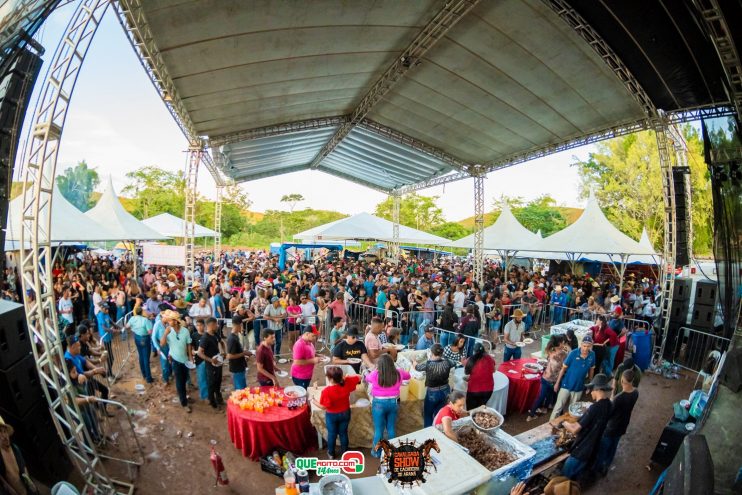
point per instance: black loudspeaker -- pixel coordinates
(703, 317)
(679, 311)
(15, 342)
(681, 289)
(705, 293)
(731, 374)
(692, 470)
(673, 343)
(682, 234)
(37, 438)
(669, 442)
(20, 387)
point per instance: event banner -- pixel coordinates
(158, 254)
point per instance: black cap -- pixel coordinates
(352, 331)
(237, 320)
(600, 382)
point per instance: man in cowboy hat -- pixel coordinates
(513, 334)
(178, 340)
(590, 427)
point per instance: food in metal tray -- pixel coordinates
(483, 451)
(564, 438)
(485, 420)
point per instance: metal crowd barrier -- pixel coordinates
(361, 314)
(693, 349)
(439, 332)
(119, 350)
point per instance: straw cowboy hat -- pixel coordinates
(562, 486)
(558, 288)
(518, 313)
(171, 315)
(596, 284)
(615, 299)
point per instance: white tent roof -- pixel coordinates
(123, 224)
(68, 223)
(365, 226)
(172, 226)
(592, 234)
(506, 234)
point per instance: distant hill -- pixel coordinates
(570, 214)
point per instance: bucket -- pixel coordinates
(642, 349)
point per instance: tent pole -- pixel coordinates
(396, 202)
(479, 228)
(624, 258)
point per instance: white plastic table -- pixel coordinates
(499, 399)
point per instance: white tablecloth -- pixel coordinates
(499, 399)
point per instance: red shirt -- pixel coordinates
(540, 294)
(606, 334)
(445, 412)
(335, 398)
(482, 375)
(264, 356)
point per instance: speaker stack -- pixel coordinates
(22, 401)
(682, 216)
(704, 305)
(678, 316)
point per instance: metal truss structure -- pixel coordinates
(479, 229)
(39, 168)
(277, 130)
(721, 37)
(396, 203)
(195, 153)
(451, 12)
(218, 224)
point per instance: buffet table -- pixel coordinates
(537, 438)
(258, 434)
(499, 399)
(524, 385)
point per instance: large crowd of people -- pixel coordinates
(243, 308)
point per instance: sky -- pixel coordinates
(117, 123)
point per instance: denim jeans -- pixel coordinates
(545, 396)
(203, 381)
(239, 380)
(337, 425)
(528, 321)
(446, 338)
(257, 326)
(181, 375)
(384, 413)
(167, 369)
(511, 354)
(608, 361)
(470, 341)
(434, 402)
(144, 348)
(495, 325)
(606, 453)
(573, 467)
(302, 382)
(279, 339)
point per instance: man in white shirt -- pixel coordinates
(308, 311)
(458, 300)
(200, 310)
(65, 307)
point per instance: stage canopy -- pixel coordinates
(367, 227)
(68, 223)
(172, 226)
(125, 226)
(391, 93)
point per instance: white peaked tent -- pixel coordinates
(172, 226)
(123, 224)
(507, 236)
(68, 223)
(365, 226)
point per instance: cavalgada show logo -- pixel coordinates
(352, 462)
(407, 463)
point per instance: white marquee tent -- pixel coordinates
(120, 222)
(68, 223)
(365, 226)
(172, 226)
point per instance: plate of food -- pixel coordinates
(486, 419)
(520, 344)
(190, 365)
(283, 361)
(533, 367)
(281, 373)
(354, 360)
(387, 345)
(324, 359)
(294, 392)
(528, 341)
(399, 347)
(542, 362)
(362, 403)
(578, 408)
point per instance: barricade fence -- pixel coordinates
(118, 350)
(446, 337)
(695, 350)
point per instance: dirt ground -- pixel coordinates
(177, 445)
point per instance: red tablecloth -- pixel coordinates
(259, 434)
(522, 391)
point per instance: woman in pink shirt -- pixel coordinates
(304, 359)
(385, 381)
(293, 310)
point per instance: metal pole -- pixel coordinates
(39, 172)
(479, 228)
(218, 224)
(195, 151)
(396, 203)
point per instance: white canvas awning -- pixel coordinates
(172, 226)
(365, 226)
(506, 234)
(68, 224)
(120, 222)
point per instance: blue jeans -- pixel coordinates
(573, 467)
(470, 341)
(257, 326)
(239, 380)
(167, 369)
(203, 381)
(301, 382)
(181, 375)
(529, 321)
(511, 354)
(609, 359)
(337, 425)
(277, 345)
(495, 325)
(384, 413)
(545, 396)
(606, 453)
(144, 348)
(434, 402)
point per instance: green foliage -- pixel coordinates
(416, 211)
(450, 230)
(292, 200)
(270, 227)
(541, 214)
(625, 175)
(77, 184)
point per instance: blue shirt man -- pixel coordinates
(578, 368)
(426, 341)
(104, 324)
(369, 286)
(314, 291)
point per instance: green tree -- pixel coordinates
(156, 191)
(292, 200)
(77, 184)
(541, 214)
(416, 211)
(625, 175)
(514, 202)
(450, 230)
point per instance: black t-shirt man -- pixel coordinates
(343, 350)
(210, 344)
(623, 405)
(196, 337)
(593, 424)
(234, 346)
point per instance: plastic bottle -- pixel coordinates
(290, 483)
